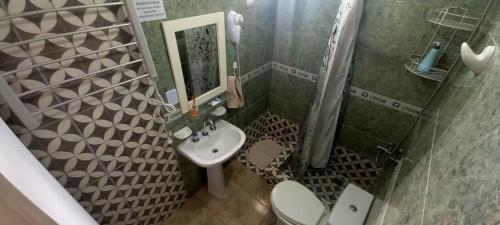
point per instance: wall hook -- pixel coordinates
(476, 62)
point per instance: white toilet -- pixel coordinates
(294, 204)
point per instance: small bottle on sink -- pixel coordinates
(194, 109)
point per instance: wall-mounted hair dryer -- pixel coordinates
(234, 22)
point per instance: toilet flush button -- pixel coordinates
(353, 208)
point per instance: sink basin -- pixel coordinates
(212, 150)
(215, 148)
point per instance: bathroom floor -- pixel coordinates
(345, 166)
(247, 196)
(246, 202)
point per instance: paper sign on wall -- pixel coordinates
(148, 10)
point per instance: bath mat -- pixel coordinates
(262, 153)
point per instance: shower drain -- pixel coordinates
(215, 150)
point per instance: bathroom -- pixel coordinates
(329, 97)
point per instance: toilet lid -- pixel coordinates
(296, 203)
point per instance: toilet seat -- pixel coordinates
(296, 204)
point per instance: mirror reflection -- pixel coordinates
(199, 59)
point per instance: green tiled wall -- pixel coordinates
(300, 41)
(389, 32)
(451, 175)
(289, 104)
(367, 125)
(255, 47)
(256, 38)
(295, 33)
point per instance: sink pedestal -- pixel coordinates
(212, 150)
(216, 183)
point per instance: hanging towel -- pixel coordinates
(235, 95)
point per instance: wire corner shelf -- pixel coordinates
(436, 74)
(455, 17)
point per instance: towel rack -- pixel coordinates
(70, 8)
(15, 100)
(63, 35)
(88, 75)
(66, 58)
(89, 94)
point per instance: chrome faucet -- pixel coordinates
(204, 131)
(212, 125)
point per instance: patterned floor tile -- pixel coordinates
(354, 167)
(344, 167)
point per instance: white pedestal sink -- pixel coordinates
(212, 150)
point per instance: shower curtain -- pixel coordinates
(321, 123)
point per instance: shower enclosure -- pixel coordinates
(385, 96)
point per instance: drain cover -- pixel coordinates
(215, 150)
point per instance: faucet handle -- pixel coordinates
(212, 125)
(194, 137)
(204, 131)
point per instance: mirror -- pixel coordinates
(199, 60)
(196, 47)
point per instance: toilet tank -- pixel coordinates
(352, 207)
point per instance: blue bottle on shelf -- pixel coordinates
(425, 66)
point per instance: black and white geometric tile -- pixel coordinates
(344, 167)
(281, 131)
(358, 170)
(324, 183)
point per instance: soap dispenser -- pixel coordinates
(425, 66)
